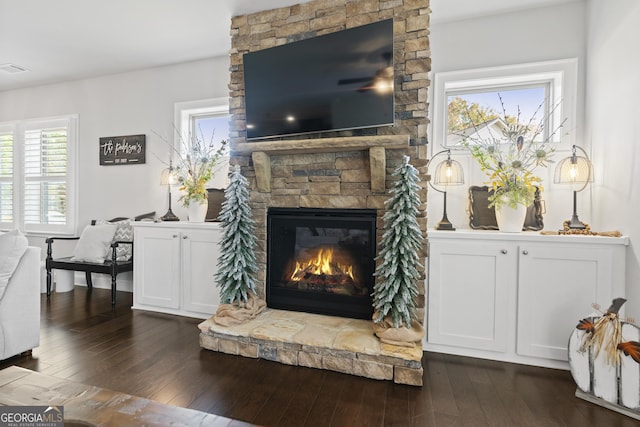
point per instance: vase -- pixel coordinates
(511, 220)
(197, 210)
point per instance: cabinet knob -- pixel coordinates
(525, 252)
(185, 237)
(503, 251)
(174, 236)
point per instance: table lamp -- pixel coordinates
(447, 172)
(168, 178)
(577, 171)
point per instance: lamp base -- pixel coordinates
(169, 216)
(575, 224)
(445, 225)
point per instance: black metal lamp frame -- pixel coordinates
(444, 223)
(169, 216)
(574, 223)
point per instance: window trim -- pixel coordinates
(19, 127)
(184, 111)
(561, 75)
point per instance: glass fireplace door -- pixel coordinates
(321, 261)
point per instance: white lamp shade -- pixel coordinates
(448, 172)
(168, 177)
(576, 171)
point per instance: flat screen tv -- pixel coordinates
(337, 81)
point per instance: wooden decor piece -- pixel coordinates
(322, 145)
(586, 231)
(122, 150)
(262, 166)
(604, 361)
(378, 166)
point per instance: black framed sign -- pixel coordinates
(122, 150)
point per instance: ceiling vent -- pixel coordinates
(12, 68)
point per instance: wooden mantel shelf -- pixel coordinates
(322, 145)
(376, 145)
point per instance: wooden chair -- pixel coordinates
(112, 266)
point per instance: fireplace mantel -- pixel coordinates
(322, 145)
(262, 151)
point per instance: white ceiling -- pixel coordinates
(66, 40)
(455, 10)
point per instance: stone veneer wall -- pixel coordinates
(341, 179)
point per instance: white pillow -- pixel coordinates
(124, 233)
(12, 246)
(94, 243)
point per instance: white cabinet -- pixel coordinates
(200, 253)
(469, 294)
(174, 268)
(157, 260)
(517, 297)
(557, 283)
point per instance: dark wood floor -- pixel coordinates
(157, 356)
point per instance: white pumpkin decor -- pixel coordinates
(604, 353)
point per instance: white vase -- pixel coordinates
(197, 211)
(511, 220)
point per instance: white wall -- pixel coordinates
(613, 126)
(139, 102)
(533, 35)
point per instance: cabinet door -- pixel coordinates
(469, 293)
(200, 253)
(557, 285)
(157, 267)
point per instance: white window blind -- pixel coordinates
(45, 176)
(6, 177)
(37, 175)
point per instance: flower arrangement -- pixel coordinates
(195, 161)
(509, 157)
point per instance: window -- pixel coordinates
(37, 175)
(208, 120)
(544, 91)
(6, 176)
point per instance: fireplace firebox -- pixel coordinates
(321, 260)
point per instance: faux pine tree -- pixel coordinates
(396, 287)
(237, 263)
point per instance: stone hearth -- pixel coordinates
(316, 341)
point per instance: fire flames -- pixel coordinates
(322, 264)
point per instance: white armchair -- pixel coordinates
(20, 307)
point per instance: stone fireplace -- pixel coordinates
(349, 171)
